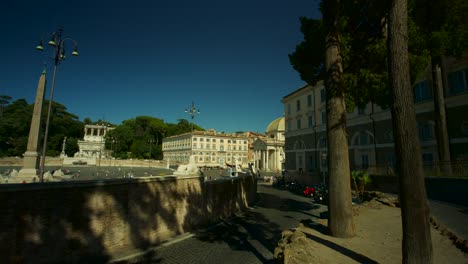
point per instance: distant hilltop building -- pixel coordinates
(93, 143)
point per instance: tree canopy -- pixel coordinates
(139, 137)
(362, 24)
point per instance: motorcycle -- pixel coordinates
(309, 191)
(321, 194)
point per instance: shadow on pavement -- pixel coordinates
(285, 204)
(316, 226)
(251, 232)
(349, 253)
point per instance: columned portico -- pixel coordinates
(268, 150)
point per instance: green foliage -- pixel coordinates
(446, 30)
(362, 25)
(360, 180)
(16, 121)
(141, 137)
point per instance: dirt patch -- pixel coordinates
(378, 240)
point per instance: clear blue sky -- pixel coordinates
(154, 57)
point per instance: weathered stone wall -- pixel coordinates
(96, 221)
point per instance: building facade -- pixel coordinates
(93, 143)
(268, 150)
(209, 148)
(369, 128)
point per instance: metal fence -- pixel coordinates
(453, 169)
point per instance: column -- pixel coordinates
(31, 158)
(267, 159)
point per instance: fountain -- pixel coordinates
(188, 169)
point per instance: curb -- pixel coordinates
(458, 241)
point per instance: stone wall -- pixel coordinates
(97, 221)
(450, 190)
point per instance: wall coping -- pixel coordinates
(18, 187)
(14, 187)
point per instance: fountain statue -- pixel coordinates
(188, 169)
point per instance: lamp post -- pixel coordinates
(150, 141)
(192, 110)
(58, 45)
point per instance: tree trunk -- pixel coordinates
(416, 244)
(340, 220)
(440, 119)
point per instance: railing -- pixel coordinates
(455, 169)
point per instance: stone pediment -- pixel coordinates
(259, 145)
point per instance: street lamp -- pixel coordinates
(192, 110)
(150, 141)
(58, 45)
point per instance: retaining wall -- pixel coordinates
(450, 190)
(96, 221)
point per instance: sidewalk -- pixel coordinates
(453, 217)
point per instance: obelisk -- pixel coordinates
(31, 158)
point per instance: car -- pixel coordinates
(80, 162)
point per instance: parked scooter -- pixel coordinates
(321, 194)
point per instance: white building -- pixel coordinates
(210, 148)
(93, 143)
(268, 152)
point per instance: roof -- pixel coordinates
(276, 125)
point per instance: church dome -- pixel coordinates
(276, 125)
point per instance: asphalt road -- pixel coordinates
(248, 238)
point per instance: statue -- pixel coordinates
(188, 169)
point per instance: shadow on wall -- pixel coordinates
(94, 222)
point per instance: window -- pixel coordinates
(245, 147)
(428, 158)
(363, 139)
(207, 146)
(194, 139)
(323, 143)
(213, 140)
(464, 128)
(458, 81)
(221, 141)
(422, 92)
(201, 145)
(288, 125)
(207, 140)
(365, 161)
(391, 159)
(298, 105)
(289, 109)
(229, 141)
(309, 100)
(425, 132)
(234, 142)
(194, 145)
(324, 117)
(298, 122)
(361, 110)
(201, 139)
(221, 148)
(322, 95)
(214, 146)
(234, 148)
(310, 122)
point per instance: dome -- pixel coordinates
(276, 125)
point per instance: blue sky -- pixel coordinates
(154, 58)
